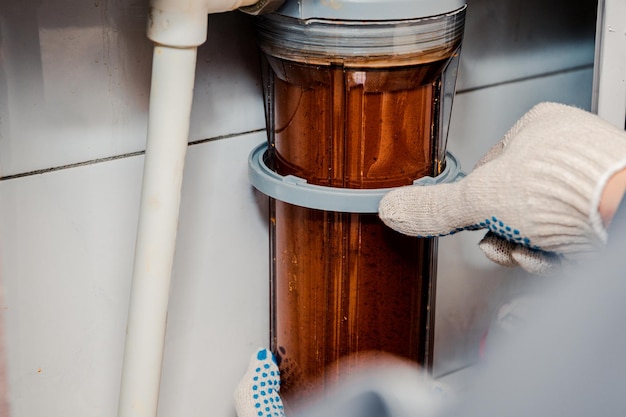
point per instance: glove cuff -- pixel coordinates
(594, 215)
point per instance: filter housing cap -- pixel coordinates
(368, 9)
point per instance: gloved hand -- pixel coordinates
(390, 387)
(537, 191)
(257, 394)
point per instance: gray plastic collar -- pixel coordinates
(262, 7)
(296, 190)
(368, 9)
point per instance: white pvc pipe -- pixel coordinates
(177, 28)
(173, 72)
(183, 23)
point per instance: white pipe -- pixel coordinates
(177, 27)
(183, 23)
(171, 95)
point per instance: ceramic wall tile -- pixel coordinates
(75, 82)
(519, 39)
(67, 240)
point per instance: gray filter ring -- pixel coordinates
(295, 190)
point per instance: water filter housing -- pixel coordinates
(358, 97)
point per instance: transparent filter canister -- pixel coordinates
(352, 105)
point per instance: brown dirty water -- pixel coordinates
(343, 284)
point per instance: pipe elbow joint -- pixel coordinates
(184, 23)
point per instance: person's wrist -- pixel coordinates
(611, 196)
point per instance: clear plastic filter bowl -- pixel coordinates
(354, 109)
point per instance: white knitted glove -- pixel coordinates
(401, 389)
(257, 394)
(537, 191)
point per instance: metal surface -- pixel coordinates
(609, 100)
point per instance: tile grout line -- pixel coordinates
(115, 157)
(201, 141)
(527, 78)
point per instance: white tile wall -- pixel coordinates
(516, 39)
(481, 117)
(67, 245)
(219, 306)
(67, 236)
(88, 97)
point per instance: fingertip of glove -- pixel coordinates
(497, 250)
(396, 202)
(264, 356)
(534, 261)
(511, 254)
(259, 388)
(395, 212)
(390, 206)
(393, 197)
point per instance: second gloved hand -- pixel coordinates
(537, 191)
(257, 394)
